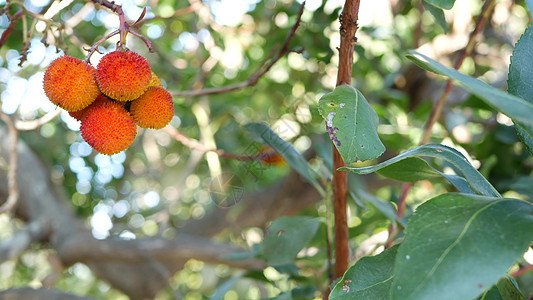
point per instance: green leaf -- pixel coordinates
(444, 4)
(520, 78)
(286, 237)
(409, 169)
(351, 123)
(438, 14)
(458, 245)
(370, 278)
(295, 159)
(514, 107)
(385, 207)
(505, 289)
(525, 133)
(421, 170)
(224, 288)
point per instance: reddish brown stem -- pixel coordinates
(348, 28)
(263, 68)
(438, 107)
(467, 51)
(14, 19)
(522, 270)
(197, 145)
(123, 30)
(393, 229)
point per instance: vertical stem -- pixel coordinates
(438, 107)
(348, 21)
(340, 185)
(467, 50)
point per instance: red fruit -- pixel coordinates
(154, 109)
(123, 75)
(155, 81)
(108, 128)
(80, 114)
(70, 83)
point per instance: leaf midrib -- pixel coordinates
(450, 248)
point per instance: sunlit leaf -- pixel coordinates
(520, 79)
(514, 107)
(444, 4)
(351, 123)
(369, 279)
(438, 14)
(458, 245)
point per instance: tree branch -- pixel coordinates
(84, 248)
(18, 243)
(127, 265)
(196, 145)
(12, 181)
(348, 28)
(41, 294)
(7, 32)
(439, 106)
(263, 68)
(467, 51)
(34, 124)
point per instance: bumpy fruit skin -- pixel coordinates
(108, 128)
(123, 75)
(80, 114)
(154, 109)
(155, 81)
(70, 83)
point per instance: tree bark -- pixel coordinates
(140, 268)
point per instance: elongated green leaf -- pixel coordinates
(421, 170)
(505, 289)
(520, 78)
(295, 159)
(438, 14)
(369, 279)
(444, 4)
(514, 107)
(458, 245)
(286, 237)
(351, 123)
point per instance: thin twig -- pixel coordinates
(196, 145)
(178, 13)
(12, 183)
(123, 30)
(263, 68)
(522, 270)
(467, 51)
(34, 124)
(7, 32)
(437, 109)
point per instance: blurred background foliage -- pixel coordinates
(158, 184)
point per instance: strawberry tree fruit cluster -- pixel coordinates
(110, 100)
